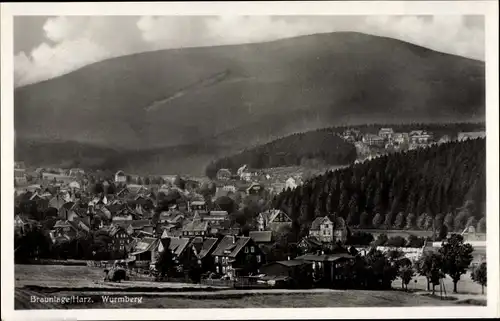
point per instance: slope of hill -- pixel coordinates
(321, 146)
(444, 185)
(177, 97)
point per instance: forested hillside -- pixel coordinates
(320, 145)
(442, 185)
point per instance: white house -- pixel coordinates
(120, 177)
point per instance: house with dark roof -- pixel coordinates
(273, 220)
(310, 244)
(195, 227)
(182, 254)
(198, 206)
(261, 237)
(327, 268)
(237, 256)
(203, 249)
(299, 273)
(145, 250)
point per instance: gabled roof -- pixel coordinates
(62, 224)
(138, 224)
(324, 257)
(175, 244)
(145, 244)
(219, 213)
(261, 236)
(68, 205)
(198, 203)
(202, 246)
(229, 248)
(318, 221)
(290, 263)
(115, 229)
(312, 241)
(195, 225)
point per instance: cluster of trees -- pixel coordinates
(440, 187)
(453, 259)
(320, 145)
(37, 244)
(362, 238)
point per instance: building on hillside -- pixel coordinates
(326, 231)
(237, 256)
(255, 189)
(421, 137)
(76, 171)
(470, 135)
(182, 254)
(386, 133)
(224, 174)
(273, 220)
(292, 183)
(120, 177)
(373, 140)
(310, 244)
(400, 138)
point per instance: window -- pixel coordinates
(252, 249)
(223, 269)
(216, 259)
(246, 249)
(216, 269)
(258, 258)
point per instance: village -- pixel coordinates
(172, 228)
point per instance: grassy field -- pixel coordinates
(84, 281)
(464, 286)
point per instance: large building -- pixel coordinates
(470, 135)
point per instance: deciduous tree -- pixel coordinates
(457, 257)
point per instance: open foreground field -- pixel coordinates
(78, 282)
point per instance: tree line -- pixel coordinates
(442, 187)
(322, 146)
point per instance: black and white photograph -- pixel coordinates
(250, 161)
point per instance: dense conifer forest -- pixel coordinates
(442, 187)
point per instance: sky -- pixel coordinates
(47, 47)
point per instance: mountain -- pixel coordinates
(233, 97)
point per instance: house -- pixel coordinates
(277, 188)
(273, 220)
(421, 137)
(23, 224)
(198, 206)
(261, 237)
(65, 228)
(470, 135)
(20, 177)
(67, 211)
(195, 228)
(400, 138)
(237, 256)
(120, 177)
(203, 249)
(216, 216)
(224, 174)
(182, 254)
(255, 189)
(298, 273)
(373, 140)
(322, 229)
(229, 189)
(327, 268)
(57, 202)
(292, 183)
(310, 244)
(120, 238)
(76, 171)
(135, 227)
(326, 231)
(386, 133)
(144, 251)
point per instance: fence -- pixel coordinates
(241, 282)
